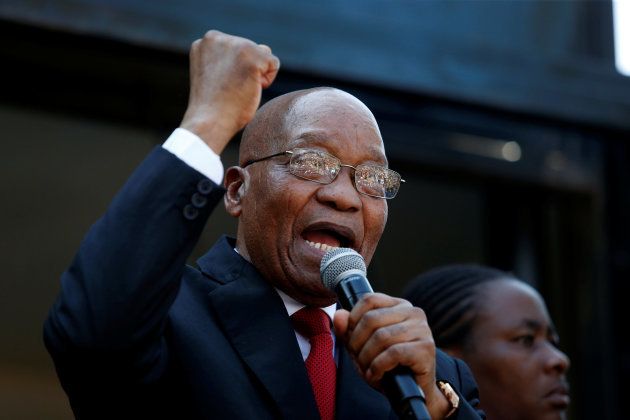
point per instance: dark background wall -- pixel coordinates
(507, 119)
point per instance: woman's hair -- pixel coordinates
(449, 296)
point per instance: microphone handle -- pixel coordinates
(351, 289)
(405, 396)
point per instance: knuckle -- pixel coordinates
(353, 348)
(418, 312)
(194, 46)
(403, 302)
(370, 319)
(395, 352)
(211, 34)
(355, 342)
(382, 335)
(239, 53)
(246, 52)
(382, 363)
(426, 345)
(372, 299)
(400, 330)
(363, 361)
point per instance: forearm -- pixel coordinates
(110, 316)
(126, 274)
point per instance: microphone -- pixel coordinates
(343, 271)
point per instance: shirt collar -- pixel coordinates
(293, 305)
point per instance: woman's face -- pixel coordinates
(512, 351)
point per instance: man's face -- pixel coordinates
(513, 355)
(286, 221)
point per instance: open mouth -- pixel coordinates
(327, 237)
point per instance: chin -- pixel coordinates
(316, 296)
(553, 414)
(319, 297)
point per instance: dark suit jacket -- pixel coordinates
(135, 333)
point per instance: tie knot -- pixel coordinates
(310, 322)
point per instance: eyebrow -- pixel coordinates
(531, 324)
(535, 325)
(321, 138)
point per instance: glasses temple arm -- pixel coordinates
(249, 162)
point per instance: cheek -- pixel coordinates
(283, 204)
(259, 215)
(498, 384)
(504, 366)
(375, 218)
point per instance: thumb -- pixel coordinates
(340, 323)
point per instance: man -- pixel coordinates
(136, 333)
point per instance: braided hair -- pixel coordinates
(449, 296)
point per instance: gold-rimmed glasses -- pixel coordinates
(321, 167)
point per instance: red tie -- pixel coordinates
(314, 324)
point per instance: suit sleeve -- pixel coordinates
(110, 314)
(459, 376)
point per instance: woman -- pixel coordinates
(500, 327)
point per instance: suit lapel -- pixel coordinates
(355, 398)
(256, 322)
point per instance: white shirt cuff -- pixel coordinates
(195, 153)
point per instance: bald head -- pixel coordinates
(269, 130)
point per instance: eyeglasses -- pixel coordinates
(321, 167)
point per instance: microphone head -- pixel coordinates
(339, 263)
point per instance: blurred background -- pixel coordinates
(508, 119)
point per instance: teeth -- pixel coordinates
(323, 247)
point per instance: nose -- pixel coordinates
(341, 193)
(556, 360)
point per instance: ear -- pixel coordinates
(235, 184)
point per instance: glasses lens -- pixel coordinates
(377, 181)
(314, 165)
